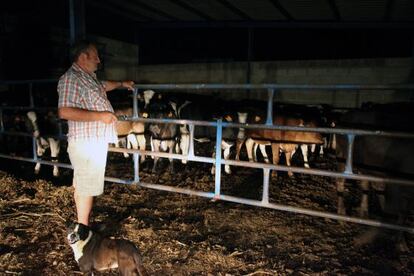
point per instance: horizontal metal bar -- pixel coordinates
(27, 159)
(270, 166)
(163, 154)
(265, 86)
(168, 121)
(118, 180)
(8, 82)
(43, 108)
(25, 134)
(175, 189)
(303, 211)
(319, 172)
(279, 207)
(324, 130)
(276, 127)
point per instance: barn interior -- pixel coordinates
(333, 56)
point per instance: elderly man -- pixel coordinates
(84, 103)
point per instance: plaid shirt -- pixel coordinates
(79, 89)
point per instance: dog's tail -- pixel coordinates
(139, 265)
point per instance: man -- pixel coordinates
(84, 103)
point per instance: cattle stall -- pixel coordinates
(217, 194)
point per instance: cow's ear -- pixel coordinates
(145, 115)
(170, 114)
(257, 118)
(228, 118)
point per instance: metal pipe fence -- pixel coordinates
(218, 161)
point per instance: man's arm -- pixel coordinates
(78, 114)
(111, 85)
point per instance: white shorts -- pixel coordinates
(88, 159)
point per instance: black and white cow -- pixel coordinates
(230, 135)
(46, 129)
(163, 135)
(204, 108)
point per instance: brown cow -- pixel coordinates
(133, 131)
(280, 140)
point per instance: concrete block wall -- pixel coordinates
(120, 60)
(349, 71)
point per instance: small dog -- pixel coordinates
(95, 253)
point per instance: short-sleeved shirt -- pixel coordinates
(80, 89)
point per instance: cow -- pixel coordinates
(280, 140)
(163, 135)
(45, 129)
(132, 131)
(309, 114)
(230, 136)
(132, 134)
(380, 156)
(208, 109)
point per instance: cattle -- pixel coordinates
(280, 140)
(379, 156)
(132, 131)
(146, 96)
(230, 136)
(45, 129)
(207, 109)
(163, 135)
(254, 118)
(312, 114)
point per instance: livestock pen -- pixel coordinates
(217, 194)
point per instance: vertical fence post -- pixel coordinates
(270, 93)
(348, 166)
(31, 105)
(135, 103)
(191, 148)
(1, 120)
(135, 116)
(31, 95)
(218, 159)
(265, 195)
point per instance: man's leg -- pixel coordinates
(88, 161)
(83, 207)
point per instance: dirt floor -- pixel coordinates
(188, 235)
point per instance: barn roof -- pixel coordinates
(247, 29)
(260, 13)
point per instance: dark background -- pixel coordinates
(27, 50)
